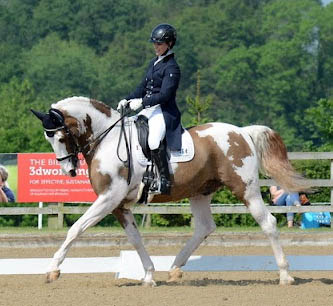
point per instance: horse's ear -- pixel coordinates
(57, 116)
(39, 115)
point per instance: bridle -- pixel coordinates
(76, 148)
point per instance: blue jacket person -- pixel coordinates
(157, 95)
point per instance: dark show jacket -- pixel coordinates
(159, 86)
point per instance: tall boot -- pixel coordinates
(159, 157)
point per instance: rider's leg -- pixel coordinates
(159, 157)
(157, 132)
(157, 129)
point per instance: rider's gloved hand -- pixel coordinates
(122, 104)
(135, 104)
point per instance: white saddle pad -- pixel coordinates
(185, 154)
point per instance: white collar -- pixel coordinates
(161, 57)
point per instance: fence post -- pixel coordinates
(148, 221)
(56, 221)
(60, 215)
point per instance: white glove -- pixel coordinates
(122, 104)
(135, 104)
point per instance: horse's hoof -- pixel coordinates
(52, 276)
(151, 284)
(287, 281)
(175, 275)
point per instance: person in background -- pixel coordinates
(6, 194)
(281, 198)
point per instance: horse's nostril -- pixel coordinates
(72, 173)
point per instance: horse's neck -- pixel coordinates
(100, 122)
(94, 124)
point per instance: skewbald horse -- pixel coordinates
(225, 155)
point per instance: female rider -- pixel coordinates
(156, 94)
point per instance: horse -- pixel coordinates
(225, 155)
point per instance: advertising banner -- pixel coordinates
(40, 179)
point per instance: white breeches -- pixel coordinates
(156, 125)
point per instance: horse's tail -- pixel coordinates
(273, 159)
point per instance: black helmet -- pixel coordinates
(164, 33)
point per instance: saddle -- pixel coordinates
(151, 179)
(142, 127)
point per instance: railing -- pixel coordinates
(56, 211)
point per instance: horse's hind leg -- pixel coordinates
(127, 221)
(203, 226)
(267, 223)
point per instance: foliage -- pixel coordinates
(198, 107)
(249, 62)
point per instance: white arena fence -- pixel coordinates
(56, 211)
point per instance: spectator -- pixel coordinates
(6, 194)
(280, 198)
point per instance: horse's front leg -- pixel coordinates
(96, 212)
(126, 219)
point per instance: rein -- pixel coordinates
(102, 135)
(77, 148)
(127, 163)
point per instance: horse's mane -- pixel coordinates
(79, 107)
(66, 103)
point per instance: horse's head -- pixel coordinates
(62, 139)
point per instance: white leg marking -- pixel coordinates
(93, 215)
(134, 238)
(267, 223)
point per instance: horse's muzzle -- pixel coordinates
(72, 173)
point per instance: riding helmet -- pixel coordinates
(164, 33)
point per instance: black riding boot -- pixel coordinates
(159, 157)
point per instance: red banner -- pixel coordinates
(40, 179)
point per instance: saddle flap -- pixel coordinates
(142, 127)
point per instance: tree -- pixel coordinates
(319, 119)
(198, 107)
(59, 69)
(19, 131)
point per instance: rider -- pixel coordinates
(157, 95)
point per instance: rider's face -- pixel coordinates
(160, 48)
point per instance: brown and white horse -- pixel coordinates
(225, 155)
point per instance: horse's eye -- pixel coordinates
(62, 140)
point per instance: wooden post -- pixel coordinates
(60, 215)
(52, 220)
(148, 221)
(56, 221)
